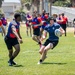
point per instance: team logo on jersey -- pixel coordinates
(53, 28)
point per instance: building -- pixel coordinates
(10, 6)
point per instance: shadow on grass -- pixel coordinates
(18, 66)
(54, 63)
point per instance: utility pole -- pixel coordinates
(50, 7)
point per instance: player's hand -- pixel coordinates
(30, 24)
(20, 41)
(36, 26)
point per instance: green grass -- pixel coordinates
(60, 61)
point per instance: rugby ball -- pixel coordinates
(57, 33)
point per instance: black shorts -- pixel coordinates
(36, 32)
(10, 42)
(63, 26)
(49, 41)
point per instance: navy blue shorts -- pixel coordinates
(10, 42)
(49, 41)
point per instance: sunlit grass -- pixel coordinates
(60, 60)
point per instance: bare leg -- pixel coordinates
(30, 31)
(44, 52)
(41, 50)
(34, 38)
(27, 31)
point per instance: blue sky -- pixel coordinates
(18, 1)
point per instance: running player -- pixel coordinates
(4, 22)
(52, 41)
(64, 22)
(36, 23)
(13, 38)
(44, 18)
(28, 23)
(2, 28)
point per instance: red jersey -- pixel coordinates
(0, 22)
(64, 20)
(36, 21)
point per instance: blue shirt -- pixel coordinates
(16, 25)
(51, 31)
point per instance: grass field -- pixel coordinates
(60, 60)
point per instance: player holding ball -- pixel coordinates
(52, 40)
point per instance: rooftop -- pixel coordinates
(16, 1)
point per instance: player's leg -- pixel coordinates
(41, 49)
(34, 38)
(10, 53)
(27, 31)
(65, 29)
(39, 41)
(17, 50)
(44, 53)
(41, 31)
(30, 31)
(14, 55)
(49, 46)
(10, 49)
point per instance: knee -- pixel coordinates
(33, 37)
(18, 50)
(40, 52)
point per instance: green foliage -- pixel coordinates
(62, 3)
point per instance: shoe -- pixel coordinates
(11, 63)
(40, 62)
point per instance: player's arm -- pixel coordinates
(59, 20)
(19, 33)
(40, 22)
(16, 34)
(3, 30)
(62, 30)
(44, 35)
(29, 18)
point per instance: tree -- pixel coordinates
(23, 2)
(62, 3)
(1, 2)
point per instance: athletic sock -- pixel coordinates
(11, 59)
(39, 42)
(40, 60)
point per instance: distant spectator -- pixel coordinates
(64, 22)
(2, 28)
(28, 23)
(4, 22)
(54, 16)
